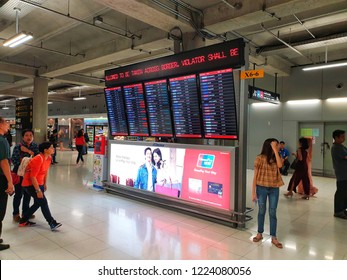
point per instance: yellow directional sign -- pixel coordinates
(252, 74)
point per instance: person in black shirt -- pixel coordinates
(86, 139)
(8, 136)
(53, 139)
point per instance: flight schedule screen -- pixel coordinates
(136, 110)
(218, 104)
(185, 105)
(116, 111)
(158, 106)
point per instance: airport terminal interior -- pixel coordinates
(62, 73)
(102, 226)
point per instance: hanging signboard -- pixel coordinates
(263, 95)
(252, 74)
(24, 113)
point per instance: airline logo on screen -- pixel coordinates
(205, 161)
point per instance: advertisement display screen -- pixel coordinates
(196, 175)
(159, 113)
(116, 111)
(136, 110)
(185, 106)
(218, 104)
(263, 95)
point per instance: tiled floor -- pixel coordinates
(99, 226)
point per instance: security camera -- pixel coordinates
(339, 86)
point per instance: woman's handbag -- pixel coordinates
(293, 165)
(166, 189)
(15, 178)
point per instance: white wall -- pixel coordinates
(281, 122)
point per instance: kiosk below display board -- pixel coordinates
(194, 175)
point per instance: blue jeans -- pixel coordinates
(38, 203)
(262, 194)
(18, 194)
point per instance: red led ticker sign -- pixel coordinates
(227, 54)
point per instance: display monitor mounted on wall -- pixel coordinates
(218, 104)
(158, 105)
(136, 110)
(185, 107)
(116, 111)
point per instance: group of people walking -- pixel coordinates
(268, 168)
(32, 185)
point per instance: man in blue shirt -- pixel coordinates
(284, 155)
(147, 173)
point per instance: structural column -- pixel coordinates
(40, 109)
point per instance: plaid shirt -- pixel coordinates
(268, 174)
(17, 154)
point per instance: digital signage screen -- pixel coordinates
(218, 104)
(158, 106)
(185, 106)
(136, 110)
(263, 95)
(223, 55)
(116, 111)
(195, 175)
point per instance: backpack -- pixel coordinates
(23, 165)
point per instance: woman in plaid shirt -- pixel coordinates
(266, 182)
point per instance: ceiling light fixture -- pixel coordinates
(19, 38)
(79, 96)
(337, 99)
(5, 107)
(325, 66)
(303, 102)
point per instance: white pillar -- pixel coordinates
(40, 109)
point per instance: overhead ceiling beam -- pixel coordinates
(17, 70)
(17, 84)
(107, 53)
(81, 80)
(146, 12)
(221, 18)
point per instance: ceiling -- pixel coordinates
(75, 41)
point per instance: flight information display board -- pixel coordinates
(116, 111)
(218, 104)
(185, 106)
(158, 106)
(136, 110)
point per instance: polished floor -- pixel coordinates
(101, 226)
